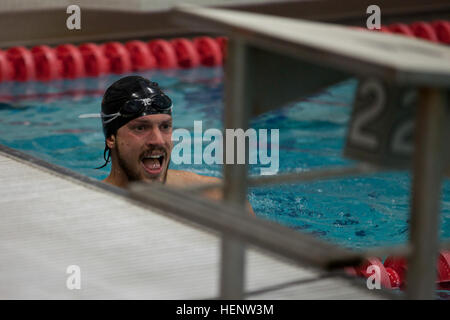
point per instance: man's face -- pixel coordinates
(143, 147)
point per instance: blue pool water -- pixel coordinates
(42, 120)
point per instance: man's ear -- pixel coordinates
(111, 141)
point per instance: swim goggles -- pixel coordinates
(157, 104)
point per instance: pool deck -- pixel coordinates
(50, 221)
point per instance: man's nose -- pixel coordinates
(155, 137)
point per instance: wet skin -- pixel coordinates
(133, 146)
(140, 151)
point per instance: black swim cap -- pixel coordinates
(126, 90)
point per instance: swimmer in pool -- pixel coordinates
(137, 123)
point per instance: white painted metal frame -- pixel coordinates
(258, 41)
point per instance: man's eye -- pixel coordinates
(139, 128)
(166, 126)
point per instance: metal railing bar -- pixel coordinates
(267, 235)
(306, 176)
(232, 220)
(319, 174)
(289, 284)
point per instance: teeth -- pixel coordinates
(154, 157)
(152, 164)
(155, 165)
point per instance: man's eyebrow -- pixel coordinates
(139, 121)
(143, 121)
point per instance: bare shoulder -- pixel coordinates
(181, 178)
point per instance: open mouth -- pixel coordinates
(153, 164)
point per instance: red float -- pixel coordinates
(209, 51)
(118, 56)
(68, 61)
(424, 30)
(388, 278)
(95, 62)
(187, 55)
(399, 265)
(394, 278)
(401, 29)
(444, 267)
(71, 60)
(140, 55)
(48, 67)
(6, 70)
(22, 63)
(442, 30)
(223, 44)
(362, 270)
(164, 53)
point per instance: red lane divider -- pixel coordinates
(140, 55)
(89, 59)
(399, 266)
(187, 55)
(6, 69)
(401, 28)
(442, 29)
(48, 66)
(393, 271)
(164, 53)
(209, 51)
(436, 31)
(394, 278)
(95, 62)
(223, 44)
(388, 279)
(444, 267)
(71, 60)
(118, 56)
(425, 31)
(22, 62)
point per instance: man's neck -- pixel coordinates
(117, 178)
